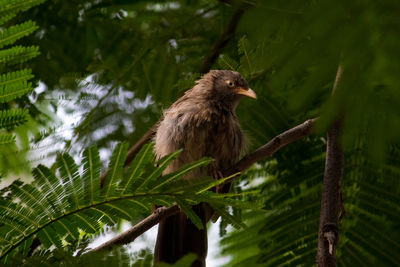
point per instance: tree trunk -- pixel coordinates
(328, 233)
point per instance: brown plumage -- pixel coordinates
(203, 123)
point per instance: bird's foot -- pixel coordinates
(218, 175)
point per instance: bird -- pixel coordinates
(203, 123)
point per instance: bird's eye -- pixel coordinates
(230, 83)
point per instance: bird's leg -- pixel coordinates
(217, 175)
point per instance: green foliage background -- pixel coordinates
(119, 63)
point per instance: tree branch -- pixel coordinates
(261, 153)
(267, 150)
(223, 40)
(328, 233)
(144, 225)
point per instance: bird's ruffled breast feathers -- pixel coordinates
(204, 129)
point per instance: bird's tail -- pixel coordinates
(178, 236)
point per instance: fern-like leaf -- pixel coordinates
(6, 17)
(226, 62)
(17, 54)
(70, 177)
(13, 33)
(14, 85)
(135, 179)
(9, 8)
(115, 168)
(55, 207)
(7, 139)
(90, 178)
(231, 219)
(161, 166)
(12, 117)
(167, 179)
(190, 213)
(49, 183)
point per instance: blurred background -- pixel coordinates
(108, 68)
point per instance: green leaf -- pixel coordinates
(34, 200)
(169, 178)
(91, 174)
(18, 54)
(49, 183)
(243, 49)
(162, 164)
(220, 181)
(56, 207)
(226, 62)
(70, 177)
(134, 174)
(49, 237)
(185, 261)
(13, 33)
(189, 212)
(7, 139)
(10, 118)
(115, 169)
(14, 85)
(6, 17)
(8, 9)
(225, 214)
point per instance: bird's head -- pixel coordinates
(227, 86)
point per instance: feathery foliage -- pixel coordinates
(7, 139)
(286, 235)
(56, 206)
(75, 254)
(12, 117)
(116, 257)
(294, 61)
(13, 77)
(13, 33)
(17, 54)
(134, 58)
(14, 85)
(10, 8)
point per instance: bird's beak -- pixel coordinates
(247, 92)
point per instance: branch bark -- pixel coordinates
(261, 153)
(328, 233)
(144, 225)
(267, 150)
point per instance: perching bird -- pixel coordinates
(203, 123)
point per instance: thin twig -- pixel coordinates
(328, 233)
(261, 153)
